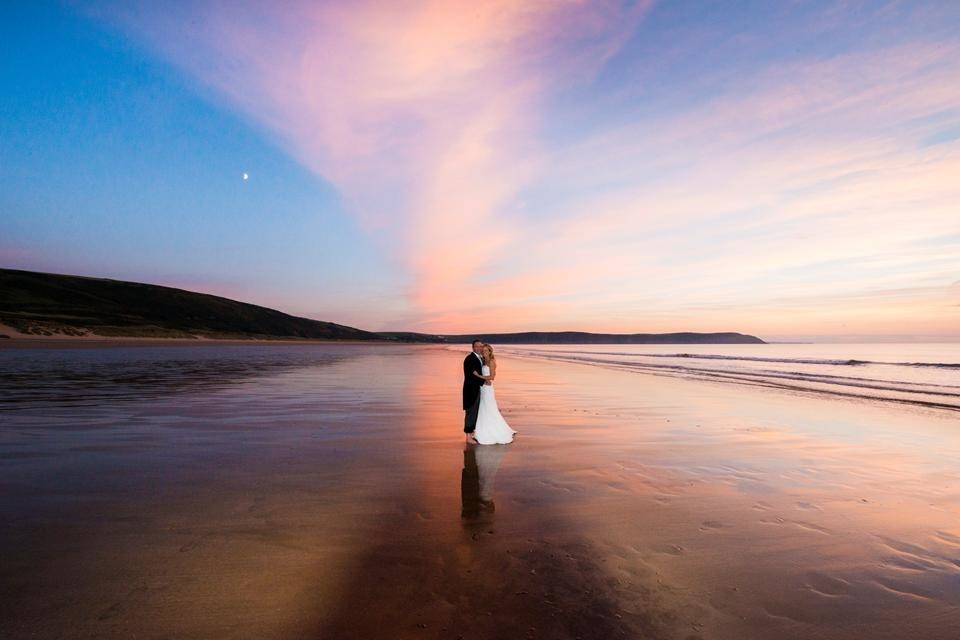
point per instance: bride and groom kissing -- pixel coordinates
(482, 422)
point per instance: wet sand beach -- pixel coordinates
(324, 491)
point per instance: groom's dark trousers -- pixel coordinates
(470, 418)
(471, 391)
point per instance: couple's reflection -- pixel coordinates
(480, 464)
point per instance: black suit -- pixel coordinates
(471, 391)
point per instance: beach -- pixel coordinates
(325, 491)
(10, 338)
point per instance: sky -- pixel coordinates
(786, 169)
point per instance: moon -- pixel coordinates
(246, 176)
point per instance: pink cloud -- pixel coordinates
(423, 114)
(815, 164)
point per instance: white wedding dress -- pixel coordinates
(491, 427)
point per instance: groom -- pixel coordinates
(471, 389)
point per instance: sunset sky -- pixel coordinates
(782, 168)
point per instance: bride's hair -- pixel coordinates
(489, 349)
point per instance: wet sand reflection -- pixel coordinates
(480, 464)
(526, 574)
(338, 501)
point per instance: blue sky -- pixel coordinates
(113, 166)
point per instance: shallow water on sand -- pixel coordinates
(279, 491)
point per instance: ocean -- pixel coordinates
(925, 374)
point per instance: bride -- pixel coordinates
(491, 427)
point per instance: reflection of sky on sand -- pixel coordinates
(331, 493)
(488, 461)
(480, 464)
(776, 511)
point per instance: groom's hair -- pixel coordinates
(475, 341)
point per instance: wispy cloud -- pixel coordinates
(797, 194)
(734, 201)
(423, 114)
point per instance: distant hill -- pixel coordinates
(46, 304)
(581, 337)
(410, 336)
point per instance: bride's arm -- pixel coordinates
(490, 377)
(493, 374)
